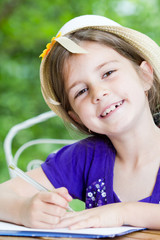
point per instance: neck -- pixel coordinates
(138, 145)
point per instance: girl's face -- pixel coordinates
(105, 91)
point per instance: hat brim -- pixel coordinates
(148, 49)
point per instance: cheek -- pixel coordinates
(131, 84)
(81, 111)
(84, 113)
(136, 95)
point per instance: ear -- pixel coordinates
(74, 116)
(147, 72)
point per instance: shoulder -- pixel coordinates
(92, 143)
(91, 147)
(97, 141)
(81, 163)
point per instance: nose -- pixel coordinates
(98, 93)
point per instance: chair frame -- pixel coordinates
(24, 125)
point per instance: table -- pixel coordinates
(142, 235)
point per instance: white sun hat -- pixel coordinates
(145, 45)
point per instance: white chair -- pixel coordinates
(24, 125)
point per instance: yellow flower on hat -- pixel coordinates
(49, 46)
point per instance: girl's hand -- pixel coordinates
(45, 209)
(106, 216)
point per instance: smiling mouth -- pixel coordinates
(111, 108)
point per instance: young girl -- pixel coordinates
(103, 79)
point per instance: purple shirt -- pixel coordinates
(86, 169)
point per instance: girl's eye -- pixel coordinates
(108, 73)
(81, 92)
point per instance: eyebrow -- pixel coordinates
(105, 63)
(96, 69)
(73, 85)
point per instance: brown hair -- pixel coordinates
(59, 55)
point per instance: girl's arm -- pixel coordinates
(115, 215)
(142, 215)
(22, 204)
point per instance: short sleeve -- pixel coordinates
(66, 168)
(76, 165)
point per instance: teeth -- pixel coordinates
(113, 107)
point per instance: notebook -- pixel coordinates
(8, 229)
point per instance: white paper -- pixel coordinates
(90, 231)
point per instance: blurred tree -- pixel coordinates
(25, 28)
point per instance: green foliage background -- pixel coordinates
(25, 28)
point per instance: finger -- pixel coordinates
(86, 223)
(70, 214)
(42, 225)
(49, 219)
(64, 193)
(42, 220)
(54, 198)
(70, 220)
(78, 213)
(54, 210)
